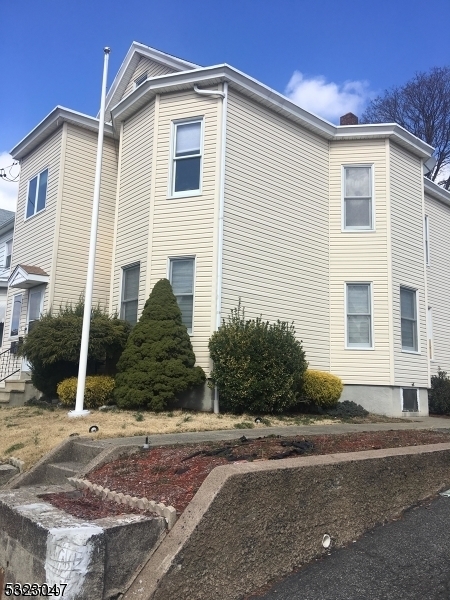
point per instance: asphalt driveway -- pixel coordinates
(408, 559)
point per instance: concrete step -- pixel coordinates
(15, 385)
(57, 473)
(83, 453)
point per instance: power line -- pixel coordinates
(6, 174)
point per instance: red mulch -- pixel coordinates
(162, 475)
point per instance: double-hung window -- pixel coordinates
(358, 198)
(37, 193)
(186, 158)
(15, 315)
(181, 277)
(130, 293)
(8, 252)
(408, 315)
(359, 315)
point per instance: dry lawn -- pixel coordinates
(29, 432)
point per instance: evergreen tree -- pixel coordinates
(158, 361)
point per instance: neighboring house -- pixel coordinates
(6, 243)
(232, 191)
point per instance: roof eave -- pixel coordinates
(436, 191)
(50, 124)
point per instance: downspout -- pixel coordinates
(224, 96)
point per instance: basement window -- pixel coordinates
(410, 400)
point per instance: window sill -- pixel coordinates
(35, 214)
(358, 230)
(191, 194)
(411, 352)
(359, 348)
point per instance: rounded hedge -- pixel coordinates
(321, 388)
(98, 391)
(439, 394)
(258, 366)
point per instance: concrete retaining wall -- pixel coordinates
(252, 522)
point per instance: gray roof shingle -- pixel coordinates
(5, 216)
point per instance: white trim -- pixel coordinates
(417, 398)
(116, 219)
(171, 183)
(10, 336)
(372, 340)
(426, 239)
(416, 292)
(194, 277)
(430, 340)
(371, 229)
(148, 274)
(219, 274)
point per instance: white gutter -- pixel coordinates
(224, 96)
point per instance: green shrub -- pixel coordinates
(347, 410)
(158, 361)
(321, 388)
(439, 394)
(52, 347)
(258, 366)
(98, 391)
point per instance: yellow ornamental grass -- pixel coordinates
(98, 390)
(321, 388)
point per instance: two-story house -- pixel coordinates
(230, 190)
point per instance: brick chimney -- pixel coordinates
(349, 119)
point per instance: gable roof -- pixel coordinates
(25, 276)
(6, 216)
(133, 56)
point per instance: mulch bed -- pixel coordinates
(173, 474)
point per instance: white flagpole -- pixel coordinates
(79, 411)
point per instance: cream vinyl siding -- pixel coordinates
(151, 67)
(408, 260)
(134, 201)
(33, 238)
(438, 281)
(75, 219)
(187, 226)
(275, 246)
(359, 257)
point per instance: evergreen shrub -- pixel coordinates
(258, 366)
(158, 361)
(98, 391)
(439, 394)
(347, 410)
(321, 388)
(52, 347)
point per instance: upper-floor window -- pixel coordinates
(8, 253)
(408, 314)
(139, 80)
(359, 315)
(181, 277)
(130, 293)
(37, 193)
(358, 198)
(186, 158)
(426, 235)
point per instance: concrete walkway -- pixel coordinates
(165, 439)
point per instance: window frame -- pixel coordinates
(351, 229)
(122, 289)
(372, 340)
(192, 257)
(140, 80)
(426, 236)
(38, 177)
(172, 167)
(10, 241)
(417, 400)
(416, 305)
(16, 335)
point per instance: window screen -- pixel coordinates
(187, 157)
(359, 318)
(182, 281)
(408, 319)
(130, 293)
(357, 198)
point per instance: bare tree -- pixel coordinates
(422, 106)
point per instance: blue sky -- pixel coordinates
(328, 56)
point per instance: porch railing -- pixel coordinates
(10, 361)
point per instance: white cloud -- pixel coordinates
(329, 100)
(8, 190)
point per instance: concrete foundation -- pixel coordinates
(384, 400)
(42, 544)
(201, 398)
